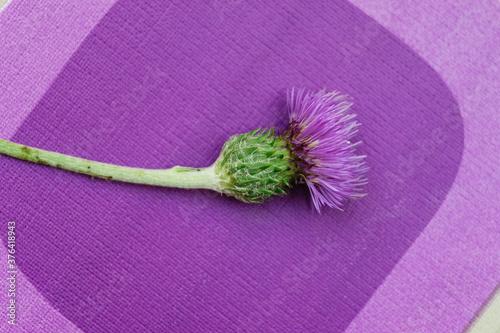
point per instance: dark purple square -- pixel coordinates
(158, 84)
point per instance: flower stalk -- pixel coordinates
(182, 177)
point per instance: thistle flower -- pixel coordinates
(319, 138)
(256, 166)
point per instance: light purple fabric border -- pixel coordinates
(34, 313)
(455, 264)
(37, 37)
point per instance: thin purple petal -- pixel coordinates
(320, 133)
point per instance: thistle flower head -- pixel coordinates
(316, 148)
(319, 138)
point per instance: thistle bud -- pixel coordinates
(254, 167)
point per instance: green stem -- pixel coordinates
(175, 177)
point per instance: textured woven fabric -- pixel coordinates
(162, 84)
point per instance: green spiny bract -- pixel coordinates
(254, 167)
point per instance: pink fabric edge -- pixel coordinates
(453, 266)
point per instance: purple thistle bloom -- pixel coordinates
(319, 136)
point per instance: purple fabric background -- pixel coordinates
(304, 255)
(137, 93)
